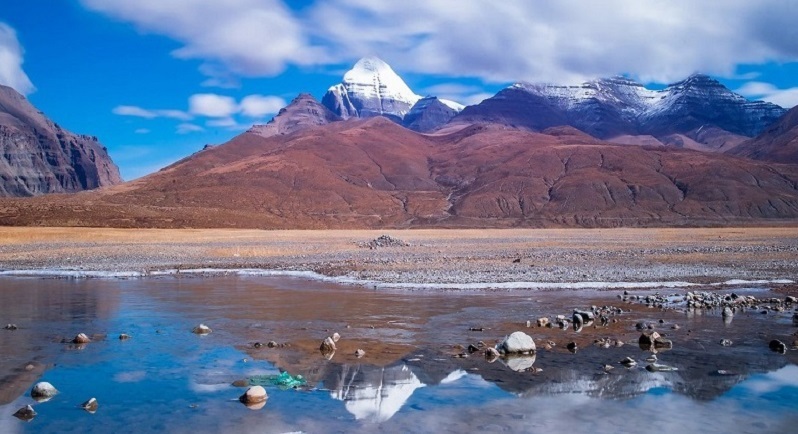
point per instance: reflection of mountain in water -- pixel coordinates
(374, 394)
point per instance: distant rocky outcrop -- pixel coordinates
(37, 156)
(428, 114)
(303, 112)
(778, 143)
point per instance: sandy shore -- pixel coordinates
(457, 257)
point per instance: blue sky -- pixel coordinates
(156, 80)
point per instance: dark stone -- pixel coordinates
(778, 346)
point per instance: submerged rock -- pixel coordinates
(124, 337)
(43, 391)
(25, 413)
(201, 329)
(11, 327)
(517, 343)
(628, 362)
(726, 342)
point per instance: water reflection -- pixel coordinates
(412, 378)
(374, 394)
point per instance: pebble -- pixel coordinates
(11, 327)
(43, 391)
(254, 397)
(81, 338)
(726, 342)
(359, 353)
(124, 337)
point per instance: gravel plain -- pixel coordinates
(437, 258)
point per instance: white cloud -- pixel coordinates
(562, 41)
(257, 106)
(186, 128)
(11, 73)
(131, 110)
(787, 98)
(246, 37)
(212, 105)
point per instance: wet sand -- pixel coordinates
(453, 257)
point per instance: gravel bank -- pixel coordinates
(453, 257)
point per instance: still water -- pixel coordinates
(412, 378)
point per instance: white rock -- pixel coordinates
(517, 343)
(43, 390)
(81, 338)
(254, 395)
(336, 337)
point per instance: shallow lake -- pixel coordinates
(417, 374)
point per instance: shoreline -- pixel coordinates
(431, 259)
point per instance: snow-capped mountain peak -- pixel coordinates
(370, 88)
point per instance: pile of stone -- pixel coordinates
(384, 241)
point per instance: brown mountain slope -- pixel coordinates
(374, 173)
(778, 143)
(37, 156)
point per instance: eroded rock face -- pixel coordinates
(37, 156)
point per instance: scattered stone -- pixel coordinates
(517, 343)
(652, 358)
(43, 391)
(728, 312)
(257, 345)
(491, 353)
(327, 346)
(608, 368)
(81, 338)
(726, 342)
(791, 300)
(477, 329)
(654, 367)
(647, 339)
(528, 323)
(359, 353)
(472, 348)
(587, 316)
(778, 346)
(675, 327)
(124, 337)
(90, 405)
(517, 261)
(336, 337)
(628, 362)
(12, 327)
(25, 413)
(572, 347)
(724, 372)
(272, 344)
(254, 397)
(662, 343)
(240, 383)
(201, 329)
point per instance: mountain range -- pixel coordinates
(606, 153)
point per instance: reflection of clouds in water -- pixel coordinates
(377, 395)
(130, 377)
(9, 423)
(773, 381)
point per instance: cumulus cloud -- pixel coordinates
(131, 110)
(787, 98)
(11, 73)
(562, 41)
(257, 106)
(246, 37)
(212, 105)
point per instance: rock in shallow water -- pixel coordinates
(517, 343)
(201, 329)
(778, 346)
(90, 405)
(81, 338)
(254, 396)
(43, 391)
(25, 413)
